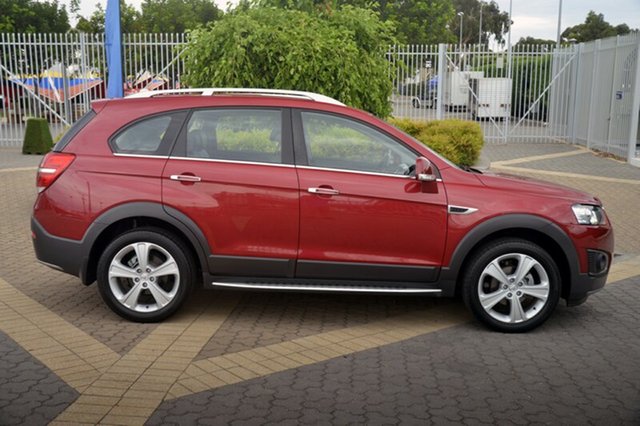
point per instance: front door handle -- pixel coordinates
(323, 191)
(185, 178)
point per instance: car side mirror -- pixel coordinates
(424, 170)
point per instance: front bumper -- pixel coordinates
(583, 286)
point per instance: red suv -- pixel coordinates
(281, 190)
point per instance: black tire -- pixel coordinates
(516, 309)
(160, 245)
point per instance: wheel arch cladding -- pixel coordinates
(532, 228)
(133, 215)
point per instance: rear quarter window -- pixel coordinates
(149, 135)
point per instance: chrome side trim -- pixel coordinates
(215, 160)
(462, 210)
(325, 288)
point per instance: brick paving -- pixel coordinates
(30, 394)
(580, 368)
(264, 319)
(298, 358)
(13, 158)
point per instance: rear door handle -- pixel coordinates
(323, 191)
(185, 178)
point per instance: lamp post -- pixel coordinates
(480, 27)
(461, 15)
(558, 39)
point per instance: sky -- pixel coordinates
(535, 18)
(539, 18)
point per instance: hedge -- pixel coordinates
(457, 140)
(37, 137)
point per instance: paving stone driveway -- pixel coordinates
(248, 358)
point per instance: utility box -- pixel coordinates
(490, 98)
(456, 92)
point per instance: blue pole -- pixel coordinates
(113, 45)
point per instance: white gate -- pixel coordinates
(509, 94)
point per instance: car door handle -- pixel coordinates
(323, 191)
(186, 178)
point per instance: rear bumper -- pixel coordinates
(59, 253)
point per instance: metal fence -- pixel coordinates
(587, 94)
(604, 94)
(56, 76)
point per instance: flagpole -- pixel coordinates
(113, 45)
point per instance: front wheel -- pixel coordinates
(145, 275)
(512, 285)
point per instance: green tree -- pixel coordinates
(494, 22)
(339, 54)
(32, 16)
(593, 28)
(176, 16)
(416, 21)
(130, 21)
(420, 21)
(532, 41)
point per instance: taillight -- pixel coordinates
(51, 167)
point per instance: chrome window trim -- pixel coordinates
(123, 154)
(216, 160)
(359, 172)
(256, 163)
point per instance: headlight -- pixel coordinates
(587, 214)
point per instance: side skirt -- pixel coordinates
(323, 286)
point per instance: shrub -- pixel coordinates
(37, 137)
(457, 140)
(339, 54)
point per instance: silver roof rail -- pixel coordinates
(259, 92)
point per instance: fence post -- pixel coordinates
(612, 97)
(442, 72)
(577, 94)
(594, 78)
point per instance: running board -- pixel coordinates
(325, 288)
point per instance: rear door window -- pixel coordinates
(251, 135)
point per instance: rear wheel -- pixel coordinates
(512, 285)
(145, 275)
